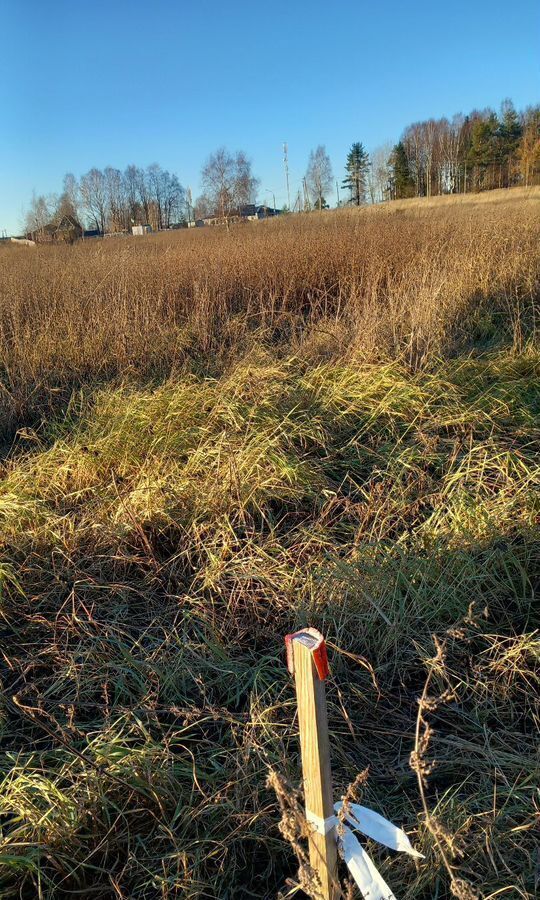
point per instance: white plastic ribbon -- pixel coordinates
(323, 826)
(371, 883)
(375, 826)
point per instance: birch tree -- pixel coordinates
(319, 177)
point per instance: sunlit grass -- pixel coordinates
(167, 539)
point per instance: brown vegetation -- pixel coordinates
(405, 281)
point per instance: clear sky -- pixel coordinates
(109, 82)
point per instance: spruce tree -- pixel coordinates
(356, 168)
(509, 136)
(402, 180)
(510, 128)
(483, 154)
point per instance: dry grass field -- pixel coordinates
(412, 280)
(211, 438)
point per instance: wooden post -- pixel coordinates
(305, 655)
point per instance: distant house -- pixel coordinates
(64, 231)
(259, 212)
(248, 213)
(141, 229)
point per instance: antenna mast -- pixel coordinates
(286, 164)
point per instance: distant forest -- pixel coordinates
(476, 152)
(467, 153)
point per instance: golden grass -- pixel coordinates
(506, 196)
(407, 280)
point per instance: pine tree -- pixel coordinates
(401, 178)
(356, 168)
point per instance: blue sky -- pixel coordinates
(100, 83)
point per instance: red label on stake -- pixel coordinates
(315, 641)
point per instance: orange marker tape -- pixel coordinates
(315, 641)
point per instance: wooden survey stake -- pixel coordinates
(306, 654)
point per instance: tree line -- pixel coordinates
(112, 200)
(475, 152)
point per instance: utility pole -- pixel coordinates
(268, 191)
(307, 205)
(337, 192)
(286, 164)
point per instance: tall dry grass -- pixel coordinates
(403, 281)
